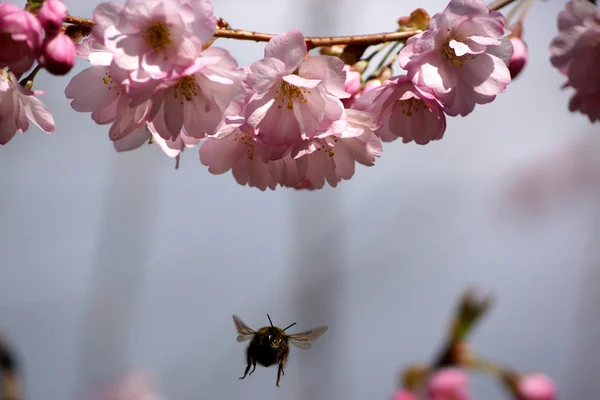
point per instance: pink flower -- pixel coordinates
(577, 18)
(154, 39)
(449, 384)
(20, 38)
(536, 387)
(136, 386)
(197, 101)
(242, 152)
(404, 394)
(58, 54)
(352, 83)
(18, 106)
(405, 111)
(462, 58)
(51, 15)
(294, 97)
(94, 90)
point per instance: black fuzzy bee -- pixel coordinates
(270, 345)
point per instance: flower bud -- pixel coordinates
(352, 84)
(536, 387)
(58, 54)
(403, 394)
(51, 15)
(518, 58)
(20, 38)
(449, 383)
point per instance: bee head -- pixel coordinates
(275, 338)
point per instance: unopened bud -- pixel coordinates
(58, 54)
(51, 15)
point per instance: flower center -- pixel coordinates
(186, 88)
(411, 106)
(450, 56)
(157, 36)
(290, 92)
(246, 139)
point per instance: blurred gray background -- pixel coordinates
(117, 262)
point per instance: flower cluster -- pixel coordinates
(290, 119)
(576, 52)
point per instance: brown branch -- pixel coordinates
(224, 31)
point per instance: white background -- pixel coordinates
(114, 262)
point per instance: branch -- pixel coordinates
(311, 42)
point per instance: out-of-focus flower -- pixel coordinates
(136, 386)
(20, 38)
(404, 394)
(294, 97)
(58, 54)
(536, 387)
(51, 15)
(462, 57)
(405, 111)
(576, 19)
(154, 39)
(449, 384)
(575, 51)
(352, 83)
(18, 106)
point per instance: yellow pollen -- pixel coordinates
(246, 139)
(450, 56)
(157, 36)
(412, 105)
(187, 88)
(108, 80)
(291, 92)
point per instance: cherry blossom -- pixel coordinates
(449, 383)
(51, 15)
(536, 387)
(518, 58)
(287, 106)
(58, 54)
(462, 58)
(405, 111)
(18, 106)
(20, 38)
(154, 39)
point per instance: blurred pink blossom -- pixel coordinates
(136, 386)
(536, 387)
(462, 57)
(449, 384)
(404, 394)
(18, 106)
(58, 54)
(51, 15)
(518, 58)
(20, 38)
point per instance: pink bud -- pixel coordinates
(518, 58)
(51, 15)
(404, 394)
(370, 85)
(352, 84)
(449, 383)
(20, 38)
(536, 387)
(58, 54)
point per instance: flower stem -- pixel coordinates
(30, 76)
(311, 42)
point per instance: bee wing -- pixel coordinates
(302, 340)
(244, 333)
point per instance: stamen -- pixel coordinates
(157, 36)
(187, 88)
(291, 92)
(450, 56)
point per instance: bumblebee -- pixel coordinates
(270, 345)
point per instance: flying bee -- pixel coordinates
(270, 345)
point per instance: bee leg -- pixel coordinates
(249, 362)
(253, 367)
(280, 371)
